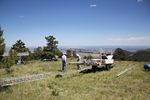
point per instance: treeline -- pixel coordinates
(51, 52)
(19, 51)
(140, 55)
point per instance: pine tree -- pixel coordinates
(51, 44)
(69, 53)
(119, 54)
(19, 47)
(38, 53)
(74, 54)
(2, 44)
(13, 56)
(51, 50)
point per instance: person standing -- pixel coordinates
(78, 60)
(64, 62)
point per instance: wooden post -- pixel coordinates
(122, 72)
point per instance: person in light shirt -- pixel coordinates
(78, 60)
(64, 62)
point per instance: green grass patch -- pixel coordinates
(99, 85)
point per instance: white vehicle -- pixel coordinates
(105, 61)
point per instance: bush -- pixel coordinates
(141, 55)
(37, 53)
(58, 53)
(85, 57)
(120, 54)
(55, 92)
(8, 62)
(47, 55)
(74, 54)
(88, 57)
(69, 52)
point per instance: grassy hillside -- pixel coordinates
(141, 55)
(99, 85)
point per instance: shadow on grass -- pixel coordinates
(5, 89)
(86, 71)
(59, 70)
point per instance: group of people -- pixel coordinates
(64, 61)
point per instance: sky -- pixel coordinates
(76, 22)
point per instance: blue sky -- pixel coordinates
(76, 22)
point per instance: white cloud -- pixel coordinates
(139, 1)
(130, 41)
(93, 5)
(137, 38)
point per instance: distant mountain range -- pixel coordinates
(134, 53)
(139, 55)
(105, 48)
(95, 48)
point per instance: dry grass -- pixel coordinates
(99, 85)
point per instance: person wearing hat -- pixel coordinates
(78, 60)
(64, 62)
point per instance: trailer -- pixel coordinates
(104, 61)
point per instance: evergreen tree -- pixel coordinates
(74, 54)
(51, 50)
(19, 47)
(89, 57)
(51, 44)
(2, 44)
(119, 54)
(13, 56)
(10, 60)
(69, 53)
(38, 53)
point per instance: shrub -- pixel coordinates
(141, 55)
(8, 62)
(120, 54)
(55, 92)
(69, 52)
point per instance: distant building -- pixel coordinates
(23, 54)
(20, 55)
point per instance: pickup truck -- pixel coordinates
(106, 62)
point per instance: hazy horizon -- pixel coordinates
(97, 48)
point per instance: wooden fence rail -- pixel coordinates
(21, 79)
